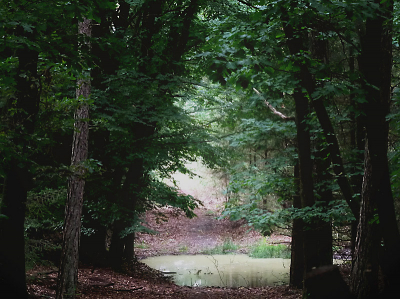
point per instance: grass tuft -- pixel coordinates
(226, 248)
(264, 250)
(183, 248)
(141, 245)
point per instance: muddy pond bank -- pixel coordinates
(182, 247)
(182, 236)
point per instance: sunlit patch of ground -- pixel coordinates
(180, 235)
(207, 186)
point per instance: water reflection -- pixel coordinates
(222, 270)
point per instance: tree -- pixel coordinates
(68, 272)
(21, 97)
(311, 75)
(17, 176)
(29, 55)
(267, 67)
(140, 133)
(377, 215)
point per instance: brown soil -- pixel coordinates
(179, 235)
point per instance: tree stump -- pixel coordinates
(326, 283)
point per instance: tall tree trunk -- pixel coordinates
(375, 65)
(295, 39)
(306, 179)
(295, 43)
(93, 248)
(18, 179)
(116, 252)
(12, 248)
(121, 249)
(68, 272)
(320, 52)
(364, 282)
(357, 143)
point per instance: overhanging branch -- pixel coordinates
(248, 4)
(274, 111)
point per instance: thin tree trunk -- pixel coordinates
(68, 273)
(324, 228)
(337, 161)
(297, 252)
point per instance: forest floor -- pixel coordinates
(178, 235)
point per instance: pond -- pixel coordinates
(222, 270)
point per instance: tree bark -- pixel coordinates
(364, 283)
(68, 272)
(375, 65)
(18, 179)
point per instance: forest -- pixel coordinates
(293, 105)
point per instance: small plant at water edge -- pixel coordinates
(183, 248)
(141, 245)
(264, 250)
(227, 247)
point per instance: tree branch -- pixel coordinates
(274, 111)
(248, 4)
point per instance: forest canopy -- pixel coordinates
(295, 104)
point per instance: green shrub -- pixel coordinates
(264, 250)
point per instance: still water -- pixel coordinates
(222, 270)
